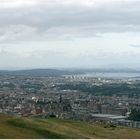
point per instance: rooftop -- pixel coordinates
(109, 116)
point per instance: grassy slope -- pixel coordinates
(11, 127)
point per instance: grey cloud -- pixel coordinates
(135, 46)
(42, 22)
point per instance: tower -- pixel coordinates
(60, 99)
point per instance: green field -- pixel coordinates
(22, 128)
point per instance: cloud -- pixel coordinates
(16, 32)
(27, 3)
(135, 46)
(66, 19)
(41, 33)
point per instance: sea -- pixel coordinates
(112, 74)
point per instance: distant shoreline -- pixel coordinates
(111, 74)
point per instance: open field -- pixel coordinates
(12, 127)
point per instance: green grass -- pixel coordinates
(22, 128)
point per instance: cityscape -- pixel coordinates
(72, 97)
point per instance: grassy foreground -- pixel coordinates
(22, 128)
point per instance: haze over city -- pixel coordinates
(69, 34)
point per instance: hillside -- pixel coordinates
(12, 127)
(36, 72)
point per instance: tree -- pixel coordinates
(135, 115)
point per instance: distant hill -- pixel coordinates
(37, 72)
(29, 128)
(57, 72)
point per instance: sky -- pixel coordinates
(69, 34)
